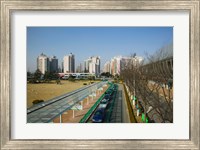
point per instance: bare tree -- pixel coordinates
(152, 83)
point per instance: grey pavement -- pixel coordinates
(120, 111)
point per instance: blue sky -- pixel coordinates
(84, 42)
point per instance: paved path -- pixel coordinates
(120, 110)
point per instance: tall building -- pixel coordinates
(62, 67)
(69, 63)
(47, 64)
(93, 68)
(117, 64)
(79, 68)
(43, 63)
(107, 67)
(125, 61)
(86, 65)
(92, 65)
(53, 64)
(112, 66)
(96, 60)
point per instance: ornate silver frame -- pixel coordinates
(7, 6)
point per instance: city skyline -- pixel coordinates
(84, 42)
(90, 65)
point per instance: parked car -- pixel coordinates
(103, 104)
(107, 96)
(98, 116)
(65, 77)
(110, 92)
(114, 88)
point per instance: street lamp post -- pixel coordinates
(134, 63)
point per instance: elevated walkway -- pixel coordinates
(47, 111)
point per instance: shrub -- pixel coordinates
(71, 79)
(37, 101)
(32, 81)
(58, 81)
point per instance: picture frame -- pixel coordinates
(7, 7)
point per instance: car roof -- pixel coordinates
(100, 109)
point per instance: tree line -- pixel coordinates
(38, 77)
(152, 90)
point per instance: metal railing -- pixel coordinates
(93, 108)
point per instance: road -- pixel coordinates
(119, 113)
(120, 110)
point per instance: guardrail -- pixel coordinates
(55, 99)
(93, 108)
(48, 111)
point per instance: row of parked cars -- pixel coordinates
(100, 113)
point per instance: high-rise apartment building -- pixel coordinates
(92, 65)
(86, 65)
(53, 64)
(79, 68)
(43, 63)
(107, 67)
(112, 66)
(125, 61)
(69, 63)
(117, 64)
(47, 64)
(93, 68)
(96, 64)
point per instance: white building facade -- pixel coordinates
(69, 63)
(43, 63)
(118, 63)
(92, 65)
(106, 67)
(86, 65)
